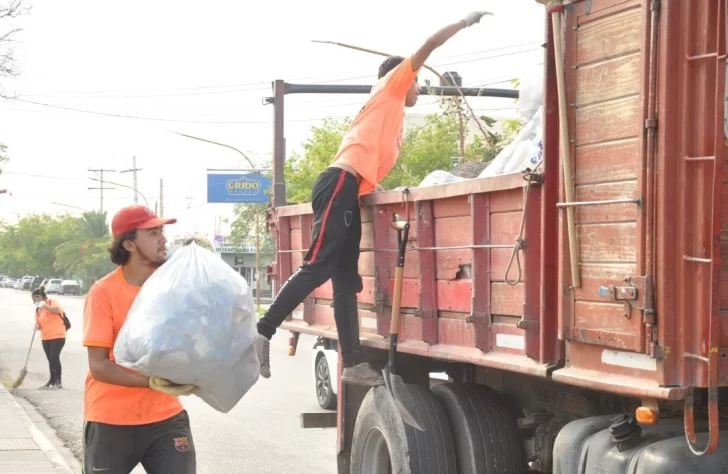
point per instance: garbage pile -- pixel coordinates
(525, 151)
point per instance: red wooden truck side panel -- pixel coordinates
(457, 305)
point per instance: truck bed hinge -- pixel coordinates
(637, 294)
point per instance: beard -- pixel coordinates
(154, 260)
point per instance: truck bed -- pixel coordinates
(647, 314)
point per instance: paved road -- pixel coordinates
(261, 434)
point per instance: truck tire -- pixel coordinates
(485, 433)
(382, 443)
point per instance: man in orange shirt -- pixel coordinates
(130, 418)
(367, 154)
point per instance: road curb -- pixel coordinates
(44, 444)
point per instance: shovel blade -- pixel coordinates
(402, 398)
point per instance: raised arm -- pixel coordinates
(442, 36)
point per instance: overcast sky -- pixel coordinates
(202, 68)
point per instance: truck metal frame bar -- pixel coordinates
(281, 88)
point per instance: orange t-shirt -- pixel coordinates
(51, 325)
(372, 143)
(107, 305)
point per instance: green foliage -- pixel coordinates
(40, 244)
(85, 252)
(425, 149)
(318, 153)
(249, 223)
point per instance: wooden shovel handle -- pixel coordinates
(396, 300)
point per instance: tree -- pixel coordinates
(250, 222)
(8, 66)
(40, 244)
(318, 153)
(29, 246)
(85, 252)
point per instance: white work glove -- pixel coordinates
(170, 388)
(474, 17)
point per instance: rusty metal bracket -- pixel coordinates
(636, 294)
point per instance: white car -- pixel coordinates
(325, 357)
(53, 286)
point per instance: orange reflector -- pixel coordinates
(646, 416)
(291, 351)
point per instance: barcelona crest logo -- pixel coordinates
(181, 444)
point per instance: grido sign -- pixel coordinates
(237, 188)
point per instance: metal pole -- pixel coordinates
(365, 89)
(257, 255)
(161, 197)
(279, 144)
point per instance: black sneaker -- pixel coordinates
(362, 374)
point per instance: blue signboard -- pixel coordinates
(237, 188)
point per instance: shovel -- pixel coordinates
(24, 370)
(394, 383)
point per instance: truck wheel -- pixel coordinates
(382, 443)
(484, 432)
(324, 393)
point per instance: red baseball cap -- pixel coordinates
(136, 217)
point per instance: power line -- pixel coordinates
(101, 172)
(265, 85)
(164, 119)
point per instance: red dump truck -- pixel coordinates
(600, 350)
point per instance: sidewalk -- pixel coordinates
(23, 447)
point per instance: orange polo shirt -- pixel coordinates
(372, 143)
(51, 325)
(105, 311)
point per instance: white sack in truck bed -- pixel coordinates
(193, 322)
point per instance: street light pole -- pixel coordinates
(257, 216)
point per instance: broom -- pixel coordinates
(24, 370)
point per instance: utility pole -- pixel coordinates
(101, 172)
(161, 197)
(134, 170)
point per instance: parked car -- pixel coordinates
(70, 287)
(325, 360)
(18, 284)
(53, 286)
(7, 282)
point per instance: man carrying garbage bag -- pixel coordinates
(367, 153)
(130, 418)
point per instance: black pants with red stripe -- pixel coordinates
(334, 254)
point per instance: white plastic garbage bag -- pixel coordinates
(193, 322)
(440, 177)
(525, 151)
